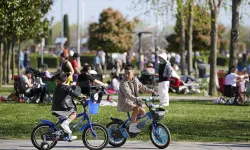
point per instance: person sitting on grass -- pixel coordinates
(128, 97)
(63, 103)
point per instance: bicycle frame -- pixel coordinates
(140, 125)
(84, 116)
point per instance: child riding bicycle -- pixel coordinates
(63, 103)
(128, 97)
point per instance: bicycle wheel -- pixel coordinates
(161, 136)
(97, 142)
(37, 136)
(115, 142)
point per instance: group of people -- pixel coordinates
(127, 88)
(235, 84)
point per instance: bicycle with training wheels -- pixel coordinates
(159, 134)
(46, 135)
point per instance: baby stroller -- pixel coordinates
(148, 80)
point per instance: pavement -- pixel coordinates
(135, 145)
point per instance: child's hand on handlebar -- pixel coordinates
(105, 85)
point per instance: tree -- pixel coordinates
(215, 9)
(201, 31)
(18, 24)
(66, 28)
(180, 17)
(190, 35)
(113, 33)
(234, 33)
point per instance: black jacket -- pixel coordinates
(63, 97)
(161, 72)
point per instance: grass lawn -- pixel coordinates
(187, 121)
(6, 90)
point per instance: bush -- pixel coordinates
(222, 61)
(52, 62)
(87, 59)
(33, 61)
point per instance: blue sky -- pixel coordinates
(92, 9)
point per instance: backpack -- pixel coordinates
(167, 71)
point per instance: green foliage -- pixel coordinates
(33, 61)
(113, 33)
(222, 61)
(87, 59)
(52, 62)
(66, 31)
(49, 39)
(24, 18)
(201, 31)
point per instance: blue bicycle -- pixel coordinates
(159, 133)
(46, 135)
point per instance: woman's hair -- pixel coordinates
(114, 75)
(86, 68)
(129, 67)
(231, 69)
(63, 56)
(62, 77)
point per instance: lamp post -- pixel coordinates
(78, 31)
(62, 36)
(140, 45)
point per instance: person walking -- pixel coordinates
(26, 59)
(164, 72)
(21, 58)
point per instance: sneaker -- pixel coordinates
(66, 128)
(164, 105)
(73, 138)
(133, 128)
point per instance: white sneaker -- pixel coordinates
(66, 128)
(73, 138)
(164, 104)
(133, 128)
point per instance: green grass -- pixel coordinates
(186, 120)
(6, 90)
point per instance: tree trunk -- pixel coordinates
(1, 53)
(182, 35)
(190, 36)
(18, 57)
(13, 60)
(213, 54)
(8, 61)
(4, 60)
(234, 33)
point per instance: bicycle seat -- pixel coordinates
(116, 120)
(55, 114)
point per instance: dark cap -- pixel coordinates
(62, 77)
(63, 55)
(76, 55)
(129, 67)
(86, 68)
(28, 71)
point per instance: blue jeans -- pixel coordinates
(21, 64)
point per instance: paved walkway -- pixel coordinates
(135, 145)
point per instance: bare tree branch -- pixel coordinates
(220, 3)
(211, 4)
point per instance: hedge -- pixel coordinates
(53, 62)
(222, 61)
